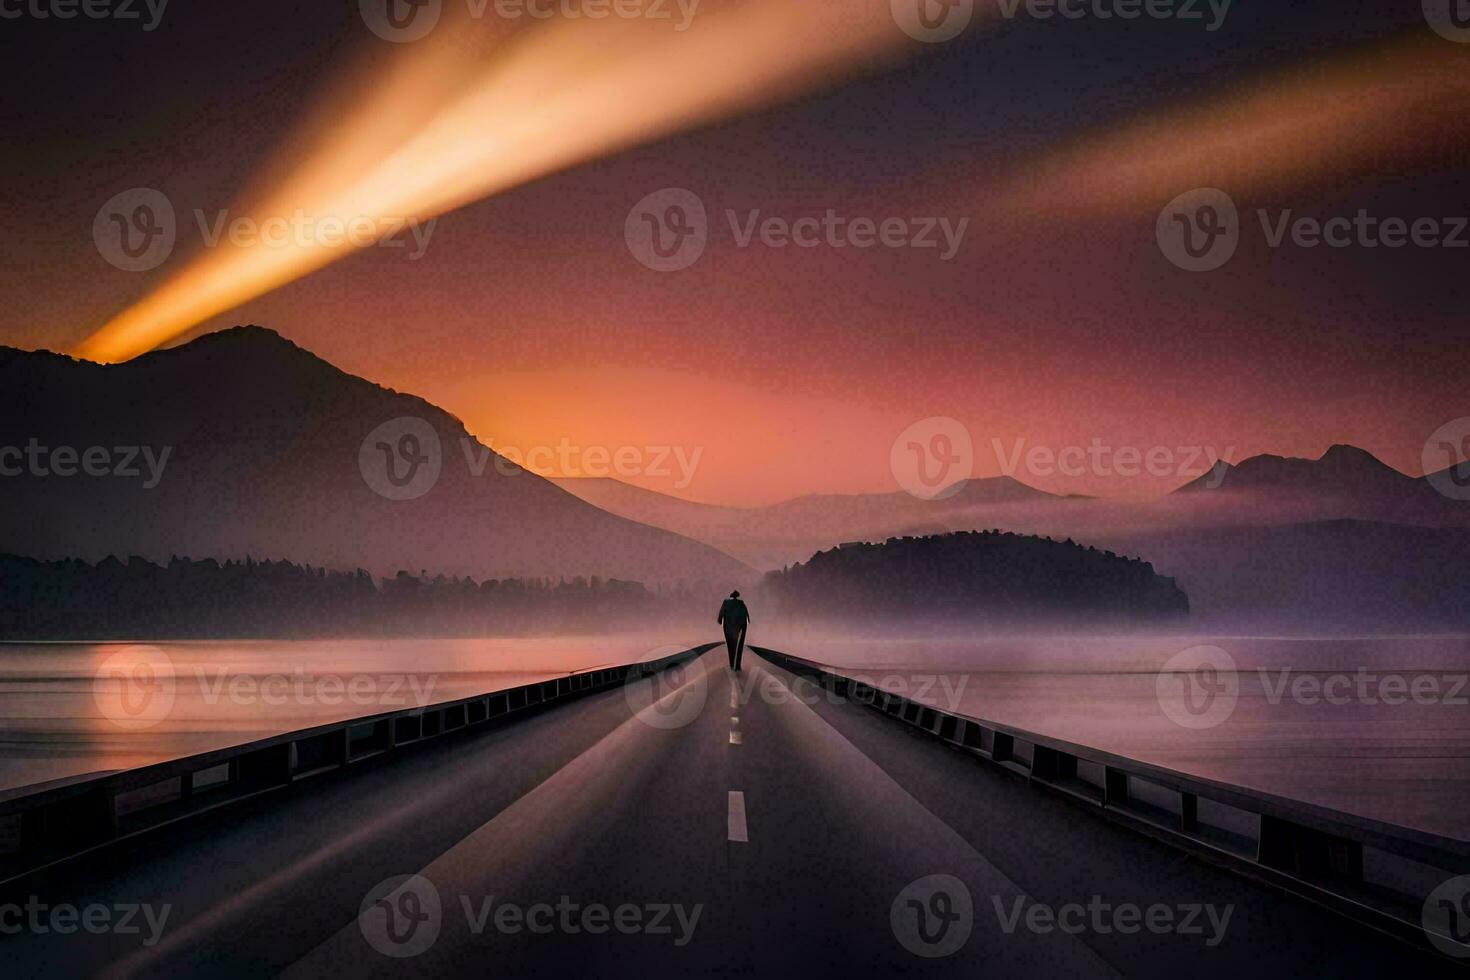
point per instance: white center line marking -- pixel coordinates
(734, 738)
(736, 822)
(734, 720)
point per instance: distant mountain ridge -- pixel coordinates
(1345, 482)
(260, 449)
(1339, 543)
(269, 450)
(1342, 468)
(778, 533)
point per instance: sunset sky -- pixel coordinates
(1058, 322)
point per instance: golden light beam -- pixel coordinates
(479, 107)
(1378, 109)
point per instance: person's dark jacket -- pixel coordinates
(733, 613)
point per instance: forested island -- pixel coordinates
(989, 576)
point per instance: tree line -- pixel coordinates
(114, 599)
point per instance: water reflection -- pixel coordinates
(1376, 726)
(68, 709)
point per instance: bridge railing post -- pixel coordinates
(1307, 852)
(1115, 788)
(1188, 813)
(1002, 747)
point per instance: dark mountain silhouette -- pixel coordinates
(263, 442)
(1344, 482)
(1342, 542)
(1336, 576)
(194, 599)
(779, 533)
(1267, 490)
(1341, 469)
(988, 576)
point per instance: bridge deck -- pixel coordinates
(795, 842)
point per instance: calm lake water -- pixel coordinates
(1375, 726)
(67, 709)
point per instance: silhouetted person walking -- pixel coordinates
(735, 618)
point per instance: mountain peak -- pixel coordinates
(1342, 470)
(1343, 454)
(264, 443)
(248, 338)
(995, 489)
(247, 351)
(241, 333)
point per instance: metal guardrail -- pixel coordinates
(1374, 872)
(59, 821)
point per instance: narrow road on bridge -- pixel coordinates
(695, 823)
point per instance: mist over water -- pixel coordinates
(1299, 726)
(1378, 726)
(63, 711)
